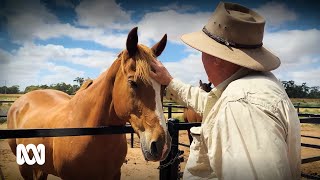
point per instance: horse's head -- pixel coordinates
(205, 86)
(137, 98)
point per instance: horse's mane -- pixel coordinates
(142, 57)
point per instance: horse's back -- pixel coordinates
(32, 104)
(190, 115)
(34, 110)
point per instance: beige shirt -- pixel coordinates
(250, 129)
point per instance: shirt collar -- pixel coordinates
(218, 90)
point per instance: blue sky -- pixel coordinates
(46, 42)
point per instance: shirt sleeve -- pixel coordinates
(187, 95)
(245, 142)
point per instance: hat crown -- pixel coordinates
(236, 25)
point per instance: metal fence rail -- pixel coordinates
(61, 132)
(6, 101)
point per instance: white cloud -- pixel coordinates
(176, 7)
(175, 24)
(31, 20)
(276, 13)
(189, 69)
(24, 17)
(39, 53)
(101, 13)
(60, 74)
(311, 76)
(294, 47)
(36, 64)
(35, 21)
(299, 54)
(96, 35)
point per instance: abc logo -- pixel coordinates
(38, 154)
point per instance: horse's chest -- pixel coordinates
(97, 155)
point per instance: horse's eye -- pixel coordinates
(133, 84)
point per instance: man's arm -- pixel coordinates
(187, 95)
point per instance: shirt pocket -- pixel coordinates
(198, 162)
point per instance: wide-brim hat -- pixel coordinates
(234, 33)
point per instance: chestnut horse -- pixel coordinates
(189, 115)
(123, 93)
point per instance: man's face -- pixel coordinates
(210, 64)
(217, 69)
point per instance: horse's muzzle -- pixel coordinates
(155, 150)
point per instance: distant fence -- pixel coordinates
(298, 106)
(5, 101)
(171, 104)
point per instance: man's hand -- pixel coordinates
(160, 73)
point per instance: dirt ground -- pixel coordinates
(137, 168)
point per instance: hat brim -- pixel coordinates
(259, 59)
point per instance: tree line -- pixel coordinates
(293, 90)
(300, 91)
(67, 88)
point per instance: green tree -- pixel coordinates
(9, 90)
(314, 92)
(13, 90)
(300, 91)
(31, 88)
(75, 88)
(67, 88)
(79, 80)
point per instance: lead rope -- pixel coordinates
(177, 157)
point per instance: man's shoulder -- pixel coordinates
(251, 80)
(260, 85)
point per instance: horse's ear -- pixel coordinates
(200, 82)
(85, 85)
(159, 47)
(132, 41)
(210, 84)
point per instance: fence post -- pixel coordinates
(298, 110)
(171, 171)
(169, 110)
(175, 150)
(132, 138)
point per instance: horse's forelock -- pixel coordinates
(143, 57)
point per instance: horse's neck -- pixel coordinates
(94, 107)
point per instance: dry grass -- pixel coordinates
(305, 100)
(309, 110)
(9, 97)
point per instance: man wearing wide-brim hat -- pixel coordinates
(250, 129)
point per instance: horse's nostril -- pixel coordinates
(154, 149)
